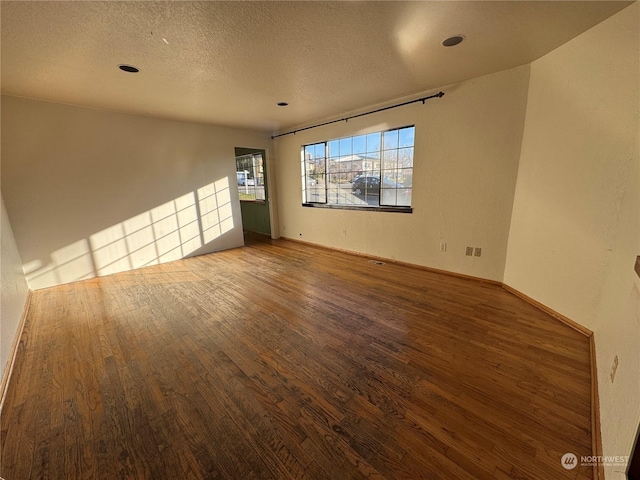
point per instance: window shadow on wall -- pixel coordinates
(168, 232)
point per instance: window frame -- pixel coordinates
(380, 207)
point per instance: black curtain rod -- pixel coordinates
(346, 119)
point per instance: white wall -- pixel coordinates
(575, 229)
(92, 192)
(465, 167)
(14, 290)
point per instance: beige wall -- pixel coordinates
(465, 167)
(575, 228)
(14, 290)
(92, 192)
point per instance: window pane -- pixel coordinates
(257, 169)
(345, 146)
(334, 165)
(345, 167)
(313, 197)
(314, 166)
(334, 148)
(315, 188)
(405, 176)
(388, 197)
(407, 137)
(308, 152)
(390, 140)
(344, 196)
(373, 142)
(337, 195)
(360, 144)
(316, 195)
(405, 157)
(404, 197)
(390, 159)
(390, 178)
(356, 167)
(371, 163)
(246, 194)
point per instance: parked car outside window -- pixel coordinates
(243, 179)
(370, 184)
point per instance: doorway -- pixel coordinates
(253, 190)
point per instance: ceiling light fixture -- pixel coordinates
(453, 41)
(128, 68)
(282, 104)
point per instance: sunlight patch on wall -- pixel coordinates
(68, 264)
(215, 209)
(110, 250)
(140, 240)
(188, 223)
(165, 230)
(168, 232)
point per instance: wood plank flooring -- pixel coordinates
(285, 361)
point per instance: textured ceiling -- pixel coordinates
(229, 63)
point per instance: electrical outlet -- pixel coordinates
(443, 247)
(344, 233)
(614, 368)
(478, 252)
(300, 235)
(469, 251)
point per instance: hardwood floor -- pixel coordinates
(285, 361)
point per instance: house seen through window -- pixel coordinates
(371, 170)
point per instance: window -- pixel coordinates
(250, 176)
(371, 170)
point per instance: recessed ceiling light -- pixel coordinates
(453, 41)
(282, 104)
(128, 68)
